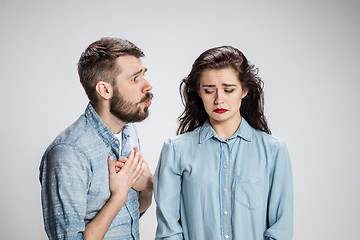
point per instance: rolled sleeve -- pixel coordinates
(64, 180)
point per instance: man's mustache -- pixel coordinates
(147, 97)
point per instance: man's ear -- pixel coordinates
(104, 90)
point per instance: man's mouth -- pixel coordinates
(147, 99)
(148, 102)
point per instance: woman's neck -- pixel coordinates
(225, 129)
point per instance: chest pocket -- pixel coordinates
(249, 191)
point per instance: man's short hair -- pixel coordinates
(98, 62)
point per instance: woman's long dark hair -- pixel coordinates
(252, 105)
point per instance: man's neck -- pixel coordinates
(113, 123)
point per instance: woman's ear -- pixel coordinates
(244, 93)
(104, 90)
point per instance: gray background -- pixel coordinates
(308, 56)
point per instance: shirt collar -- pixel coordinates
(100, 127)
(244, 131)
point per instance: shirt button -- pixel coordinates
(226, 213)
(225, 189)
(227, 236)
(225, 166)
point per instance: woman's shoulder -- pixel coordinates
(267, 139)
(185, 138)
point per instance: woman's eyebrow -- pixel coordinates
(229, 85)
(224, 84)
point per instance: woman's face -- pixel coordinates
(221, 93)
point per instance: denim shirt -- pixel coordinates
(208, 188)
(74, 179)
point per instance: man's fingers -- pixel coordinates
(119, 164)
(122, 159)
(133, 166)
(136, 158)
(138, 175)
(138, 171)
(131, 155)
(111, 164)
(140, 164)
(129, 161)
(137, 150)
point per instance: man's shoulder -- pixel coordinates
(77, 135)
(73, 133)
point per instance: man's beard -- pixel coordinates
(129, 112)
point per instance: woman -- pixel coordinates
(224, 176)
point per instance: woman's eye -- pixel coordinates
(229, 90)
(134, 79)
(208, 91)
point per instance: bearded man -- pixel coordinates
(86, 192)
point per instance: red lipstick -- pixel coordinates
(220, 110)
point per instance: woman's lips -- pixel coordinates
(220, 110)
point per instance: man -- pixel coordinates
(86, 194)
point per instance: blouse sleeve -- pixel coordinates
(280, 205)
(167, 188)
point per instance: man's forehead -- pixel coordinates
(129, 65)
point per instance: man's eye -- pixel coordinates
(134, 79)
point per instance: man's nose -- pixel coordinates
(147, 86)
